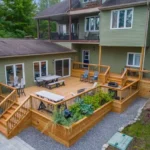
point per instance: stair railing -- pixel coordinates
(107, 74)
(8, 102)
(18, 115)
(124, 77)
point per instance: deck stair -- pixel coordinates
(5, 116)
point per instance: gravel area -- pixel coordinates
(92, 140)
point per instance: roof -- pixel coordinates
(114, 3)
(23, 47)
(60, 8)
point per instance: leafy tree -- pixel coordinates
(16, 18)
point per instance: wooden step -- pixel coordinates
(6, 115)
(3, 130)
(3, 121)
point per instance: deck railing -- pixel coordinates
(91, 67)
(122, 93)
(9, 97)
(18, 115)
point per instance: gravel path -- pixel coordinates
(93, 140)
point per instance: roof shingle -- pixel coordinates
(22, 47)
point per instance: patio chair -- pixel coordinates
(94, 78)
(39, 82)
(84, 77)
(15, 81)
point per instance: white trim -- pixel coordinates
(40, 68)
(63, 67)
(118, 10)
(83, 57)
(133, 59)
(14, 70)
(97, 16)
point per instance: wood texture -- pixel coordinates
(144, 87)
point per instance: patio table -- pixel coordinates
(49, 78)
(50, 96)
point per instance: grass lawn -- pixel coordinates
(140, 131)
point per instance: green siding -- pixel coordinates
(147, 60)
(124, 37)
(94, 52)
(116, 57)
(28, 65)
(65, 44)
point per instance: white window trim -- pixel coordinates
(83, 57)
(133, 59)
(63, 68)
(15, 70)
(124, 19)
(89, 26)
(40, 67)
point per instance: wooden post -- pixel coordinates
(100, 56)
(49, 29)
(141, 61)
(38, 29)
(69, 28)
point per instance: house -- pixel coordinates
(108, 32)
(33, 58)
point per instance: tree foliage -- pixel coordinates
(16, 18)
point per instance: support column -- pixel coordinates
(142, 58)
(69, 27)
(100, 55)
(38, 29)
(49, 30)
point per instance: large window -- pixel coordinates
(40, 68)
(92, 23)
(133, 59)
(122, 19)
(14, 70)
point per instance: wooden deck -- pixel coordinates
(72, 84)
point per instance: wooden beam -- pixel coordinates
(38, 29)
(141, 61)
(49, 29)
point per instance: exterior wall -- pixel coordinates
(147, 59)
(65, 44)
(124, 37)
(148, 32)
(116, 57)
(82, 25)
(28, 65)
(94, 52)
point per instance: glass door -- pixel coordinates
(62, 67)
(85, 57)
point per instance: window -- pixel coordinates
(14, 70)
(133, 59)
(40, 69)
(122, 19)
(92, 23)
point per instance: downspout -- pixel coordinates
(146, 32)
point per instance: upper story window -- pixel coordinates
(92, 23)
(133, 59)
(122, 19)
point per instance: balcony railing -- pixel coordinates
(63, 37)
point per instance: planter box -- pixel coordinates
(69, 135)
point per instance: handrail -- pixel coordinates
(12, 88)
(80, 63)
(129, 85)
(17, 109)
(126, 70)
(107, 71)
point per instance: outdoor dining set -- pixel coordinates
(50, 81)
(87, 78)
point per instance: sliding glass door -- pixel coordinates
(62, 67)
(14, 70)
